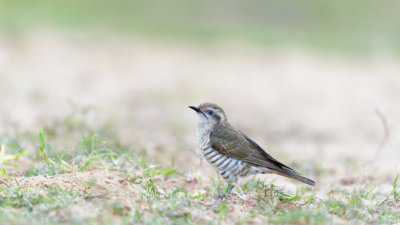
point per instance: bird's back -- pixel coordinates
(232, 143)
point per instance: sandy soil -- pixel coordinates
(310, 110)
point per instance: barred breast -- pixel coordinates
(229, 168)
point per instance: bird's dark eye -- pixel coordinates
(210, 112)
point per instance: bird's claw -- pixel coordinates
(222, 196)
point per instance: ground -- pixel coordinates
(99, 132)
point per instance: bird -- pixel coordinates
(231, 152)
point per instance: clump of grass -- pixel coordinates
(10, 150)
(396, 195)
(14, 196)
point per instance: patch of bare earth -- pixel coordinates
(93, 188)
(90, 184)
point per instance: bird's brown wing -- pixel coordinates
(233, 143)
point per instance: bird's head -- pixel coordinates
(209, 114)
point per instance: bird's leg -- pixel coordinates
(230, 188)
(223, 195)
(231, 185)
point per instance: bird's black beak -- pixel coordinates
(195, 108)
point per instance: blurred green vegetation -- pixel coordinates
(354, 25)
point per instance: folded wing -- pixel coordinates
(235, 144)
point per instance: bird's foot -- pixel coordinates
(222, 195)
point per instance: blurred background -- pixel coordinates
(317, 83)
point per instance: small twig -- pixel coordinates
(386, 130)
(385, 137)
(4, 182)
(91, 197)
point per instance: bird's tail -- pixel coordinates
(290, 173)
